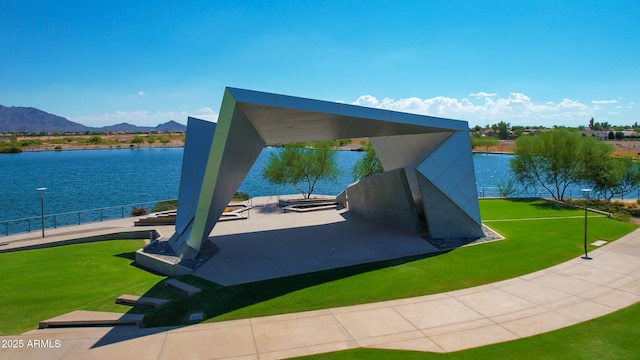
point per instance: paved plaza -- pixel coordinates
(560, 296)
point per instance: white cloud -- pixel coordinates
(604, 101)
(141, 93)
(143, 117)
(517, 109)
(483, 94)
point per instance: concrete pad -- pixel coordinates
(564, 283)
(535, 275)
(533, 292)
(142, 348)
(473, 338)
(584, 310)
(628, 248)
(290, 317)
(457, 327)
(517, 315)
(361, 307)
(536, 324)
(494, 302)
(308, 350)
(420, 344)
(418, 299)
(299, 333)
(591, 274)
(633, 287)
(617, 299)
(92, 318)
(615, 261)
(431, 314)
(210, 342)
(386, 339)
(375, 322)
(278, 245)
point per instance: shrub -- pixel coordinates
(138, 211)
(240, 196)
(165, 206)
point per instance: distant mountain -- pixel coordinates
(171, 126)
(125, 127)
(27, 119)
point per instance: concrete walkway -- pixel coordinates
(563, 295)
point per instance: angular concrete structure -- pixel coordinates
(433, 155)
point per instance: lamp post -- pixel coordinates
(41, 190)
(585, 194)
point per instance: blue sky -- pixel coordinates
(148, 62)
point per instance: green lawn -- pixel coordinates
(498, 209)
(531, 245)
(611, 337)
(39, 284)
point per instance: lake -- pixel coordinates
(89, 179)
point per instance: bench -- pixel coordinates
(133, 300)
(181, 287)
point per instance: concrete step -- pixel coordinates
(82, 318)
(182, 287)
(134, 300)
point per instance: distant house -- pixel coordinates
(489, 132)
(530, 131)
(598, 134)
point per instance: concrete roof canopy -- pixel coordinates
(434, 153)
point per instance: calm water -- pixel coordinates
(80, 180)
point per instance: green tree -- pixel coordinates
(369, 164)
(302, 166)
(614, 177)
(557, 159)
(137, 140)
(503, 130)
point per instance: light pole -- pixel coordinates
(41, 190)
(585, 194)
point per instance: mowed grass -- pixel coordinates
(40, 284)
(531, 245)
(611, 337)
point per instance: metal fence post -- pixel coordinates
(100, 215)
(78, 217)
(55, 222)
(29, 222)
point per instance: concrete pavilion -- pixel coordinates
(429, 181)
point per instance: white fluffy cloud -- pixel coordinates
(483, 94)
(144, 118)
(141, 93)
(516, 108)
(604, 101)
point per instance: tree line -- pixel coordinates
(559, 158)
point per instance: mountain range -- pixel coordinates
(28, 119)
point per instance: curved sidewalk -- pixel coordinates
(560, 296)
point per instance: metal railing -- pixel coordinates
(540, 192)
(54, 221)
